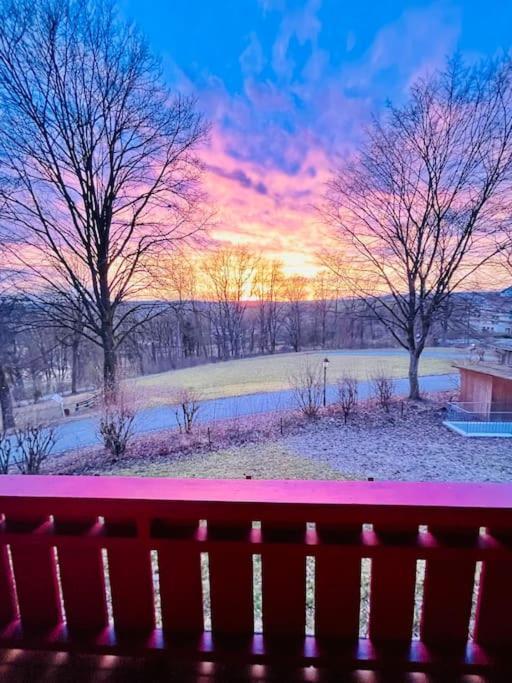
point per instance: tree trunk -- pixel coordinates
(75, 360)
(18, 389)
(414, 385)
(109, 364)
(107, 331)
(5, 402)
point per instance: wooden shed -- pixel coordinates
(486, 388)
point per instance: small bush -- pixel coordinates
(34, 444)
(116, 428)
(383, 389)
(307, 390)
(186, 403)
(5, 453)
(348, 391)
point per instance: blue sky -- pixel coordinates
(288, 86)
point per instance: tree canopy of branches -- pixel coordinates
(426, 199)
(268, 287)
(228, 274)
(296, 292)
(98, 162)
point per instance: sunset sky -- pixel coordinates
(288, 87)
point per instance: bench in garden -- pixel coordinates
(87, 403)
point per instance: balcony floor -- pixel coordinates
(17, 666)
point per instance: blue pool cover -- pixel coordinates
(479, 428)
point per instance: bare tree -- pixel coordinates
(5, 452)
(348, 390)
(8, 305)
(383, 389)
(98, 162)
(505, 260)
(6, 407)
(322, 290)
(268, 287)
(116, 427)
(34, 444)
(296, 292)
(307, 389)
(180, 276)
(228, 273)
(417, 211)
(187, 403)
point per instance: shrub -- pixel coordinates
(186, 403)
(34, 444)
(348, 390)
(307, 390)
(116, 428)
(383, 389)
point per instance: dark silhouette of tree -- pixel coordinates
(98, 162)
(9, 308)
(296, 292)
(426, 200)
(268, 287)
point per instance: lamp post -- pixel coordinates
(325, 364)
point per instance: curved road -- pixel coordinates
(84, 432)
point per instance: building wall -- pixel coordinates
(502, 394)
(476, 388)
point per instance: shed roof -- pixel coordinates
(483, 368)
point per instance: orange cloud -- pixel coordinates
(268, 209)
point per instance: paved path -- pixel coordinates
(80, 433)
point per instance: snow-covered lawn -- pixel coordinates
(414, 450)
(412, 446)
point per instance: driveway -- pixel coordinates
(80, 433)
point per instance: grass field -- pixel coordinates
(251, 375)
(272, 373)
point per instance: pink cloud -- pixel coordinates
(276, 139)
(281, 221)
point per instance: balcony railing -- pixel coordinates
(95, 564)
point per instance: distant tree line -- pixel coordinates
(198, 323)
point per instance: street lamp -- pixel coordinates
(325, 364)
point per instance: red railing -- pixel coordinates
(94, 564)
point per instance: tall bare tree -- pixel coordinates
(268, 288)
(425, 201)
(179, 275)
(296, 293)
(98, 160)
(228, 273)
